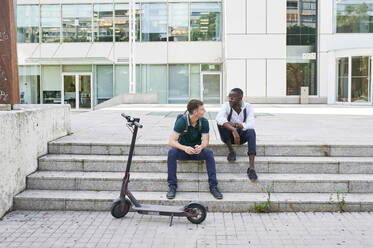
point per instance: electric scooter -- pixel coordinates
(194, 211)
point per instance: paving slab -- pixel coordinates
(49, 229)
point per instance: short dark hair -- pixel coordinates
(237, 90)
(193, 104)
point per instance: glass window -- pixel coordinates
(50, 23)
(195, 79)
(178, 91)
(342, 80)
(104, 82)
(121, 79)
(360, 79)
(301, 40)
(300, 74)
(354, 16)
(103, 22)
(205, 21)
(122, 22)
(154, 22)
(51, 84)
(29, 84)
(77, 22)
(77, 68)
(211, 67)
(178, 15)
(154, 80)
(28, 23)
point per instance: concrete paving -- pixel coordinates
(41, 229)
(318, 125)
(275, 124)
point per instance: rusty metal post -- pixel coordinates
(9, 86)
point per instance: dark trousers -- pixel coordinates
(206, 154)
(248, 136)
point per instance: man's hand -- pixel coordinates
(237, 125)
(198, 149)
(236, 137)
(190, 150)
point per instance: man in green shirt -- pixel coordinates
(189, 141)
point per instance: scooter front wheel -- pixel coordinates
(196, 213)
(119, 209)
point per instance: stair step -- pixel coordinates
(197, 182)
(117, 163)
(232, 202)
(60, 147)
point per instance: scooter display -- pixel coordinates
(194, 211)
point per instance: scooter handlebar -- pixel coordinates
(137, 124)
(127, 117)
(131, 120)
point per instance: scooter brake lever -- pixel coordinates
(129, 127)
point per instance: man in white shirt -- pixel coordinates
(236, 126)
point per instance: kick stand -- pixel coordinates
(171, 218)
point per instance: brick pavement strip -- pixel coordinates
(99, 229)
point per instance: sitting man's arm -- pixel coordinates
(173, 142)
(204, 144)
(250, 120)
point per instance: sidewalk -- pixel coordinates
(275, 124)
(99, 229)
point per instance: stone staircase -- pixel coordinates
(87, 176)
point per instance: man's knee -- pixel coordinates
(208, 153)
(172, 153)
(225, 134)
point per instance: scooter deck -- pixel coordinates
(160, 208)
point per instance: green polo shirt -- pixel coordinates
(192, 137)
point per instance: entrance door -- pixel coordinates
(77, 90)
(211, 84)
(69, 90)
(354, 80)
(85, 98)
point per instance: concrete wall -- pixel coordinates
(24, 135)
(145, 98)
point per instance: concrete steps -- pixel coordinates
(57, 147)
(197, 182)
(232, 202)
(289, 165)
(300, 177)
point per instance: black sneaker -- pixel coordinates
(231, 156)
(252, 174)
(216, 193)
(171, 192)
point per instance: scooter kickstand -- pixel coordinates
(171, 218)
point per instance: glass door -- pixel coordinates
(354, 79)
(77, 90)
(211, 87)
(360, 79)
(85, 98)
(69, 90)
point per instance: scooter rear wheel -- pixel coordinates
(198, 213)
(119, 210)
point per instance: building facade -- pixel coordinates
(77, 51)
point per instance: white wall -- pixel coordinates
(235, 75)
(24, 136)
(256, 51)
